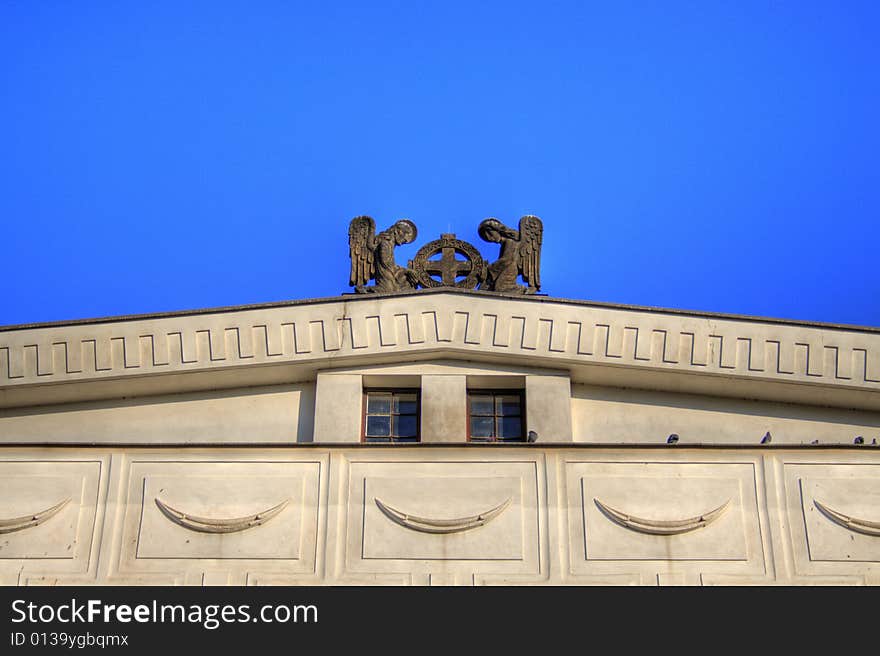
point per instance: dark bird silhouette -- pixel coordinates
(672, 439)
(814, 442)
(767, 437)
(533, 436)
(859, 440)
(874, 442)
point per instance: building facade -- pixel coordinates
(439, 436)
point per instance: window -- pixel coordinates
(495, 416)
(391, 416)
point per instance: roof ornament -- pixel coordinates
(520, 255)
(372, 256)
(448, 261)
(464, 273)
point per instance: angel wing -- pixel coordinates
(531, 234)
(361, 235)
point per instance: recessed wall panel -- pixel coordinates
(222, 518)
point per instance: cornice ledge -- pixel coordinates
(541, 332)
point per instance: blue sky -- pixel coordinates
(709, 156)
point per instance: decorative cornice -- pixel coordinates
(536, 331)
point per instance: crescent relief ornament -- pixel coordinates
(219, 525)
(852, 523)
(428, 525)
(662, 527)
(27, 521)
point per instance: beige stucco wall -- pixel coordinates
(284, 414)
(631, 416)
(516, 515)
(443, 385)
(272, 414)
(338, 401)
(599, 499)
(591, 373)
(443, 408)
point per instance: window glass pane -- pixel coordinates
(509, 427)
(481, 404)
(405, 426)
(482, 427)
(507, 404)
(379, 426)
(378, 403)
(405, 404)
(377, 439)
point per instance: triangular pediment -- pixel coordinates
(595, 343)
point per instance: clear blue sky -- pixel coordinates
(710, 156)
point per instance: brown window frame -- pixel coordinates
(391, 439)
(494, 439)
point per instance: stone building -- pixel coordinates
(439, 436)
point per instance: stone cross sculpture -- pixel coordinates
(464, 273)
(372, 256)
(520, 255)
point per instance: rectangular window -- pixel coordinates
(495, 416)
(391, 416)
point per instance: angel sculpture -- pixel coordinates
(372, 256)
(520, 255)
